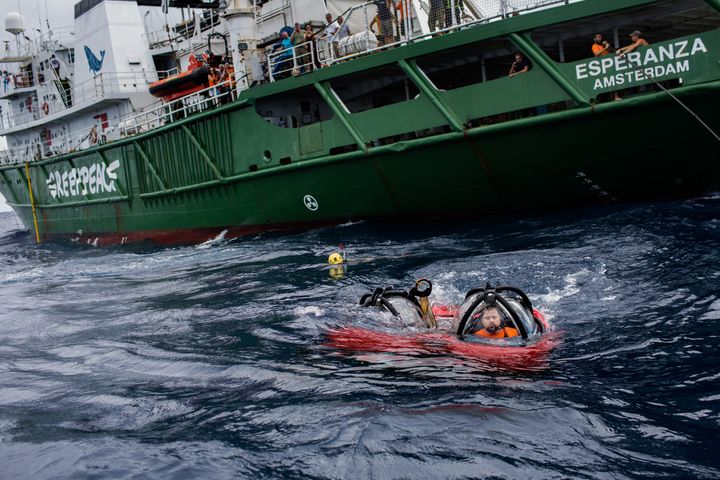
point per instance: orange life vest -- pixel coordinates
(504, 332)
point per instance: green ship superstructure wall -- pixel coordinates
(231, 168)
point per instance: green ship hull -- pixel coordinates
(480, 149)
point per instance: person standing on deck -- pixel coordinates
(330, 32)
(55, 64)
(459, 8)
(314, 61)
(331, 28)
(600, 46)
(399, 7)
(301, 54)
(436, 18)
(342, 32)
(384, 21)
(637, 42)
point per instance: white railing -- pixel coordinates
(134, 123)
(291, 61)
(165, 36)
(62, 36)
(373, 28)
(25, 46)
(96, 88)
(179, 109)
(16, 81)
(167, 73)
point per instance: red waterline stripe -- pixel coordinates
(184, 235)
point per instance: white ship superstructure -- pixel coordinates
(71, 87)
(77, 87)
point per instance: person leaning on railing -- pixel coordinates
(520, 65)
(282, 62)
(637, 42)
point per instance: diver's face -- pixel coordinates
(491, 320)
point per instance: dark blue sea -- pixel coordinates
(212, 361)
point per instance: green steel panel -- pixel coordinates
(531, 89)
(398, 118)
(311, 138)
(694, 59)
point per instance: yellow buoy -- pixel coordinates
(335, 259)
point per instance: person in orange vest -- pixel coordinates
(600, 46)
(493, 325)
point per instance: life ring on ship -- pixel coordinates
(45, 108)
(93, 135)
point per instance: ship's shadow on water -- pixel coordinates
(214, 360)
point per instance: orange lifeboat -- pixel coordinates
(194, 79)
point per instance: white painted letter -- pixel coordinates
(606, 64)
(681, 53)
(580, 71)
(698, 46)
(72, 177)
(91, 175)
(667, 52)
(650, 56)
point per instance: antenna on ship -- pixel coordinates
(47, 21)
(165, 6)
(14, 25)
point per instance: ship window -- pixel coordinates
(469, 64)
(293, 109)
(661, 21)
(374, 88)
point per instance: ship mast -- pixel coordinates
(240, 16)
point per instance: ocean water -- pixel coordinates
(212, 360)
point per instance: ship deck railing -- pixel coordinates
(179, 109)
(59, 38)
(167, 73)
(129, 125)
(166, 113)
(102, 86)
(185, 30)
(290, 61)
(17, 83)
(55, 39)
(365, 40)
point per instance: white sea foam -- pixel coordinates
(213, 241)
(570, 288)
(309, 310)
